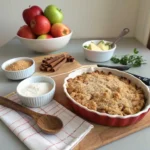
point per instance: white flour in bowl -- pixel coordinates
(36, 89)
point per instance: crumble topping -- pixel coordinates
(106, 93)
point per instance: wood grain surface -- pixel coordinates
(100, 135)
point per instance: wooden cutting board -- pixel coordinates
(100, 135)
(67, 67)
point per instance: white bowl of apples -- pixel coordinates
(44, 31)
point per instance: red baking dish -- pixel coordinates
(103, 118)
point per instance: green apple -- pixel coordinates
(44, 36)
(53, 14)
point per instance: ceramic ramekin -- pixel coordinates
(37, 101)
(21, 74)
(98, 56)
(103, 118)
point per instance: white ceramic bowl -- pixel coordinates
(37, 101)
(98, 56)
(46, 45)
(21, 74)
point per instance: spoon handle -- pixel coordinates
(123, 33)
(10, 104)
(115, 67)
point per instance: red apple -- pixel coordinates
(59, 29)
(45, 36)
(29, 13)
(40, 25)
(26, 32)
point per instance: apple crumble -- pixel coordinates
(106, 93)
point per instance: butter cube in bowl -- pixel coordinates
(98, 50)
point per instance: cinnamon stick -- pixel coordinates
(57, 61)
(56, 67)
(42, 68)
(48, 69)
(45, 60)
(54, 63)
(70, 58)
(55, 58)
(44, 65)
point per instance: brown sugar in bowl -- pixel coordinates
(18, 68)
(19, 65)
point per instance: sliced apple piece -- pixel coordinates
(105, 47)
(94, 47)
(102, 45)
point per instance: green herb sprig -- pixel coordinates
(134, 60)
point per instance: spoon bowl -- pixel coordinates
(47, 123)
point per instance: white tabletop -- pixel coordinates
(137, 141)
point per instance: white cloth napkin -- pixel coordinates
(74, 130)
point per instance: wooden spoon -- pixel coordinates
(47, 123)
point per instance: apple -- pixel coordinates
(45, 36)
(53, 14)
(29, 13)
(59, 29)
(26, 32)
(40, 25)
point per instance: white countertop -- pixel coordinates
(137, 141)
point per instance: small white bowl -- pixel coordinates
(20, 74)
(37, 101)
(46, 45)
(98, 56)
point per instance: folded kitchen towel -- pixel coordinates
(74, 130)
